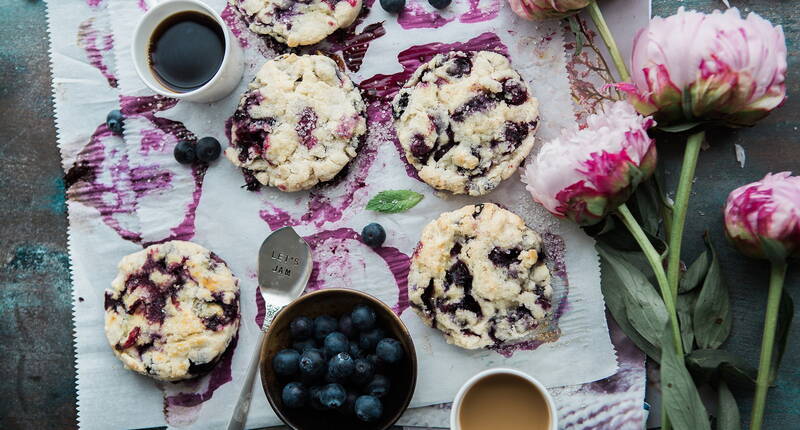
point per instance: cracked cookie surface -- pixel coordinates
(478, 276)
(296, 22)
(172, 310)
(299, 124)
(466, 121)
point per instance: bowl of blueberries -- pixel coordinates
(338, 359)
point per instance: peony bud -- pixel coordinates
(547, 9)
(767, 209)
(585, 174)
(718, 67)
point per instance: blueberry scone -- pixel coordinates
(466, 121)
(297, 22)
(172, 310)
(477, 275)
(299, 124)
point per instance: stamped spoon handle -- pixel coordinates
(239, 417)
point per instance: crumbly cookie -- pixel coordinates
(299, 124)
(466, 121)
(172, 310)
(477, 276)
(297, 22)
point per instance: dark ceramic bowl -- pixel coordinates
(336, 302)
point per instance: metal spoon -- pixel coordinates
(284, 266)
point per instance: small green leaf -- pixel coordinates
(679, 395)
(728, 417)
(615, 302)
(393, 201)
(711, 318)
(695, 274)
(575, 27)
(679, 128)
(644, 308)
(683, 307)
(647, 204)
(711, 364)
(785, 315)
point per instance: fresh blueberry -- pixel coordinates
(346, 325)
(363, 370)
(323, 326)
(184, 152)
(440, 4)
(378, 387)
(208, 149)
(303, 345)
(294, 395)
(363, 317)
(389, 350)
(355, 350)
(368, 408)
(340, 367)
(312, 364)
(115, 121)
(370, 338)
(335, 343)
(373, 235)
(393, 6)
(333, 396)
(285, 362)
(376, 362)
(314, 394)
(301, 328)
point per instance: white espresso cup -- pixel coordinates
(455, 412)
(221, 84)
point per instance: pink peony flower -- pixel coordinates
(769, 208)
(547, 9)
(587, 173)
(692, 66)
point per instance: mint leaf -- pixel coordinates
(393, 201)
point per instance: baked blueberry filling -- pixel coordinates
(305, 127)
(504, 257)
(481, 102)
(459, 67)
(514, 93)
(402, 104)
(419, 148)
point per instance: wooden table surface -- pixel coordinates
(37, 378)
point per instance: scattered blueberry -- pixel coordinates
(375, 361)
(346, 325)
(370, 338)
(440, 4)
(323, 326)
(184, 152)
(285, 362)
(389, 350)
(393, 6)
(208, 149)
(301, 328)
(294, 395)
(335, 343)
(340, 367)
(379, 386)
(312, 364)
(303, 345)
(363, 370)
(373, 235)
(363, 317)
(368, 408)
(115, 121)
(333, 396)
(355, 350)
(314, 394)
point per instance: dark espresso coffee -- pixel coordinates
(186, 50)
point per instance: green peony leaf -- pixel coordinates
(393, 201)
(728, 417)
(695, 274)
(678, 393)
(711, 318)
(712, 364)
(683, 307)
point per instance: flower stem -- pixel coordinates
(776, 277)
(690, 155)
(608, 38)
(654, 259)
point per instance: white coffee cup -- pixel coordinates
(224, 81)
(456, 410)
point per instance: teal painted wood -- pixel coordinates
(37, 375)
